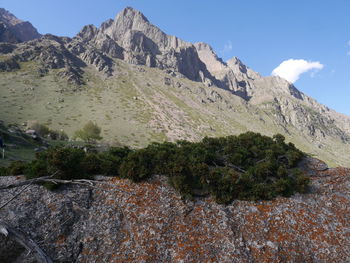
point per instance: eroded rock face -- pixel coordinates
(14, 30)
(130, 36)
(148, 222)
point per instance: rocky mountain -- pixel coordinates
(14, 30)
(119, 221)
(140, 84)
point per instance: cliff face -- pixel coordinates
(133, 38)
(148, 222)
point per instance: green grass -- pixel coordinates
(159, 113)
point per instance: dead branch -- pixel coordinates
(26, 242)
(49, 179)
(30, 181)
(84, 182)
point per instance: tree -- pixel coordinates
(40, 129)
(89, 133)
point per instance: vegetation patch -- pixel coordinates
(249, 166)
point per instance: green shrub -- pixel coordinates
(17, 168)
(58, 135)
(41, 129)
(66, 162)
(137, 166)
(105, 163)
(248, 166)
(4, 171)
(222, 184)
(37, 168)
(91, 132)
(91, 164)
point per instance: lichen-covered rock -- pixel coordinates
(148, 222)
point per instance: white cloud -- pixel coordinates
(291, 69)
(227, 47)
(348, 53)
(349, 43)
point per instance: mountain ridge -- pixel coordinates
(174, 69)
(14, 30)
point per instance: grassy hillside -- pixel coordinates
(18, 146)
(139, 105)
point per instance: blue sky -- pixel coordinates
(262, 33)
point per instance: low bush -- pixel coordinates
(249, 166)
(16, 168)
(71, 163)
(4, 171)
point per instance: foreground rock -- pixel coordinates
(148, 222)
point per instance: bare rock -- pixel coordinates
(148, 222)
(14, 30)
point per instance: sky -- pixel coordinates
(304, 41)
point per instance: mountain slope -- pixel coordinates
(141, 85)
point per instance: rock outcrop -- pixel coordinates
(148, 222)
(131, 37)
(14, 30)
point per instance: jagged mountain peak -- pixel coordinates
(235, 62)
(8, 18)
(88, 32)
(131, 13)
(213, 63)
(203, 46)
(130, 19)
(208, 49)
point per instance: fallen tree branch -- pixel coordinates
(30, 181)
(26, 242)
(85, 182)
(50, 179)
(20, 192)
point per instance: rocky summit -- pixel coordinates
(119, 221)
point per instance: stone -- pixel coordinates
(148, 222)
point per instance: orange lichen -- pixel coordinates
(155, 221)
